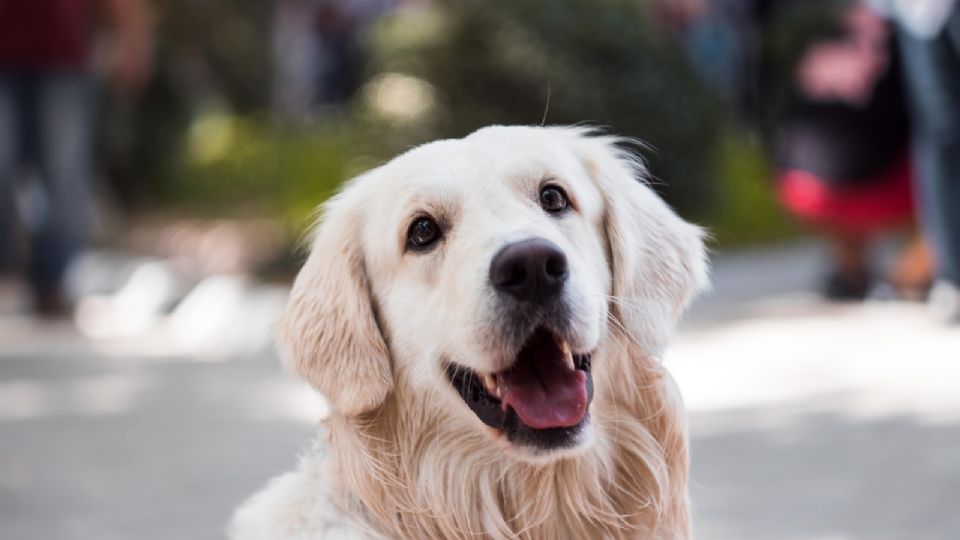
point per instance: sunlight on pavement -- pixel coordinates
(126, 381)
(285, 399)
(867, 360)
(100, 395)
(134, 308)
(156, 309)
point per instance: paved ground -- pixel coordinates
(809, 421)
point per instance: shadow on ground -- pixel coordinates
(146, 448)
(824, 476)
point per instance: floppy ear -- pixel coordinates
(329, 332)
(657, 260)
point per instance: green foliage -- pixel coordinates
(238, 166)
(600, 62)
(219, 49)
(746, 210)
(215, 51)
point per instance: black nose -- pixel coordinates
(530, 270)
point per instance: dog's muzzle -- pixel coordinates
(541, 400)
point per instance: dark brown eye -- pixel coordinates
(553, 199)
(423, 233)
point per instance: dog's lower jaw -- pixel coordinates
(581, 446)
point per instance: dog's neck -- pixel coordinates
(408, 471)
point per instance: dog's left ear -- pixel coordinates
(329, 332)
(658, 261)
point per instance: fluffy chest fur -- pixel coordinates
(436, 481)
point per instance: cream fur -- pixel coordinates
(400, 456)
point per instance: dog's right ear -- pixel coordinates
(329, 332)
(658, 261)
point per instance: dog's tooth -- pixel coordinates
(490, 381)
(567, 354)
(491, 384)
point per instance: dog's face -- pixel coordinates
(483, 274)
(491, 274)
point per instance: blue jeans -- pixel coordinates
(45, 130)
(932, 69)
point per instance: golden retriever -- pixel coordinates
(486, 318)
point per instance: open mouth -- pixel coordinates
(540, 400)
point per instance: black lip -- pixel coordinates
(487, 407)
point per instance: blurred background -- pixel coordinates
(160, 163)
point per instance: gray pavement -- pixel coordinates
(809, 421)
(113, 444)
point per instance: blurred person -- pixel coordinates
(723, 39)
(834, 118)
(47, 123)
(318, 52)
(840, 145)
(295, 63)
(929, 32)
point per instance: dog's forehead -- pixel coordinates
(483, 164)
(487, 185)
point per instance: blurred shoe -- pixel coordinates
(51, 303)
(912, 273)
(944, 302)
(14, 296)
(883, 291)
(843, 287)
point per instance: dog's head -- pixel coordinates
(483, 274)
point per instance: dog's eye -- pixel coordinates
(553, 199)
(423, 233)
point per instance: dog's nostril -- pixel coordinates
(556, 266)
(516, 276)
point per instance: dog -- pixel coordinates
(486, 317)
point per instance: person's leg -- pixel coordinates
(912, 273)
(9, 127)
(850, 278)
(953, 29)
(65, 167)
(933, 77)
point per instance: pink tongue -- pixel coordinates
(543, 390)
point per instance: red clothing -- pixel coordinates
(45, 33)
(864, 209)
